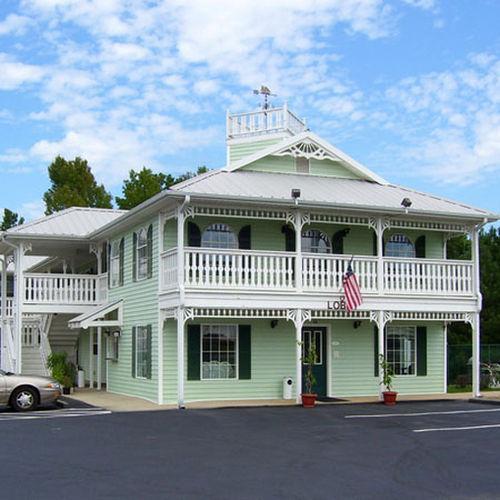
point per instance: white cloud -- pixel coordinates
(421, 4)
(14, 24)
(32, 210)
(15, 73)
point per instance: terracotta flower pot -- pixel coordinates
(390, 397)
(309, 400)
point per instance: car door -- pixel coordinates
(4, 396)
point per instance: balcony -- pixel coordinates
(321, 273)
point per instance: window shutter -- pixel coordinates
(150, 251)
(244, 238)
(109, 264)
(133, 351)
(134, 257)
(244, 352)
(122, 260)
(193, 352)
(420, 247)
(338, 241)
(194, 235)
(150, 351)
(374, 243)
(421, 351)
(289, 238)
(375, 351)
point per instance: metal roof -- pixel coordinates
(319, 189)
(75, 222)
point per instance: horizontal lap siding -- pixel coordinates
(273, 357)
(140, 308)
(353, 362)
(239, 151)
(330, 168)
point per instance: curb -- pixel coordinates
(485, 401)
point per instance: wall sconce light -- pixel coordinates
(274, 323)
(356, 324)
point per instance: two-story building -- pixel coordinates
(210, 290)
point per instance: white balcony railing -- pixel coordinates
(9, 307)
(71, 289)
(262, 270)
(264, 122)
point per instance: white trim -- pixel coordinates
(445, 356)
(349, 162)
(237, 353)
(328, 353)
(136, 256)
(386, 334)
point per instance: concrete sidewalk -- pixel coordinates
(120, 403)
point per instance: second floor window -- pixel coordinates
(315, 241)
(116, 263)
(399, 245)
(219, 236)
(143, 253)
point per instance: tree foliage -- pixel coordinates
(10, 219)
(142, 185)
(73, 185)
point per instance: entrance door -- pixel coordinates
(315, 336)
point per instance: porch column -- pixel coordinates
(180, 356)
(181, 217)
(381, 351)
(476, 356)
(298, 251)
(299, 317)
(4, 288)
(99, 361)
(18, 311)
(380, 255)
(445, 357)
(91, 358)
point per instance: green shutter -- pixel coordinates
(374, 243)
(134, 257)
(289, 238)
(150, 251)
(133, 351)
(375, 351)
(420, 247)
(122, 260)
(338, 241)
(150, 351)
(421, 351)
(193, 352)
(193, 235)
(244, 352)
(245, 238)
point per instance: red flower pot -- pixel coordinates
(309, 400)
(390, 397)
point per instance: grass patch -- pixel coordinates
(456, 389)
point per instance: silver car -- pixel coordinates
(26, 392)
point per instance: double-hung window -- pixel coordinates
(115, 263)
(219, 352)
(401, 353)
(142, 352)
(141, 254)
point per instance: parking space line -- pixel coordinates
(466, 428)
(51, 414)
(421, 414)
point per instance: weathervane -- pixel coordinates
(266, 92)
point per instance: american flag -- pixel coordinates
(352, 292)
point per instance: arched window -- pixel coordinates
(316, 241)
(219, 236)
(399, 245)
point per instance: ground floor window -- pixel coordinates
(400, 349)
(219, 351)
(142, 352)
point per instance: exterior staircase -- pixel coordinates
(61, 338)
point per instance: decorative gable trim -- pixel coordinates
(309, 145)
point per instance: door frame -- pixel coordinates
(327, 326)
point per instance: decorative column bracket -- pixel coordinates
(298, 316)
(298, 219)
(184, 314)
(188, 211)
(373, 224)
(387, 317)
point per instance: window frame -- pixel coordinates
(236, 351)
(325, 238)
(141, 329)
(415, 355)
(146, 250)
(409, 242)
(115, 260)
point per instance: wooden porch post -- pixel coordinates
(381, 351)
(19, 296)
(4, 288)
(476, 356)
(298, 356)
(380, 254)
(298, 251)
(99, 361)
(180, 356)
(91, 357)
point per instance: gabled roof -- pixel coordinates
(309, 138)
(75, 222)
(331, 192)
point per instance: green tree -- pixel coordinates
(142, 185)
(73, 185)
(10, 219)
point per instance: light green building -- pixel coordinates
(209, 290)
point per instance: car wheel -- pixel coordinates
(24, 399)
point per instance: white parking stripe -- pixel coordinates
(421, 414)
(49, 414)
(467, 428)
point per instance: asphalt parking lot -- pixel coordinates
(414, 450)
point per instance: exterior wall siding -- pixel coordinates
(140, 308)
(239, 151)
(353, 362)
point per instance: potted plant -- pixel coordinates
(387, 377)
(62, 370)
(309, 397)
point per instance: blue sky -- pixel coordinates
(411, 88)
